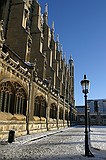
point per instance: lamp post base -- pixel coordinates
(89, 153)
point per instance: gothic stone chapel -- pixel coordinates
(36, 83)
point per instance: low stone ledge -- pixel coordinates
(36, 118)
(43, 119)
(18, 117)
(4, 116)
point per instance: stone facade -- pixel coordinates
(36, 83)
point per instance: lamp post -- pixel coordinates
(85, 89)
(89, 118)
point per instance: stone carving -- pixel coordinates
(41, 22)
(28, 50)
(2, 40)
(45, 16)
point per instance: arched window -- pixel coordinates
(6, 93)
(66, 115)
(12, 98)
(40, 107)
(53, 111)
(43, 108)
(61, 113)
(19, 100)
(37, 107)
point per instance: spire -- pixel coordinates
(71, 57)
(57, 41)
(61, 49)
(52, 30)
(71, 60)
(64, 57)
(45, 16)
(53, 25)
(41, 22)
(46, 8)
(71, 66)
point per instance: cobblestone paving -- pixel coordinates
(66, 145)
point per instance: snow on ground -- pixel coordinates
(98, 141)
(65, 144)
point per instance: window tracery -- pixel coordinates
(12, 98)
(5, 96)
(66, 115)
(61, 113)
(40, 107)
(53, 111)
(37, 107)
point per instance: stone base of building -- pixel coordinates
(18, 124)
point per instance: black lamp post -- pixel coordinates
(85, 89)
(89, 118)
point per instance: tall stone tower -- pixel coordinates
(38, 40)
(15, 14)
(71, 69)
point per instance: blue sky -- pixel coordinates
(81, 25)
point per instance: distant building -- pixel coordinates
(97, 112)
(80, 115)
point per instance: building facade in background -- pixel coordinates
(96, 111)
(36, 83)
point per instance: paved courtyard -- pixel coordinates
(66, 144)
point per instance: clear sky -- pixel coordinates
(81, 25)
